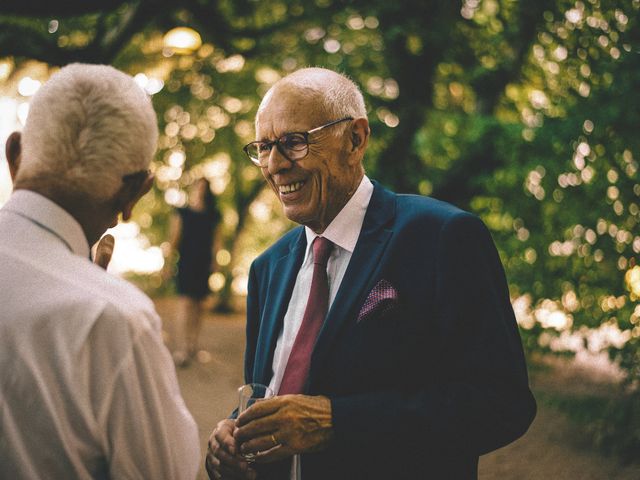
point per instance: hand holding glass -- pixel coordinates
(248, 395)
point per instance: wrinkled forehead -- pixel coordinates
(289, 108)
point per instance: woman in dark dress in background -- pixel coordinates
(191, 234)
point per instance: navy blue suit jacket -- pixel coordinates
(421, 389)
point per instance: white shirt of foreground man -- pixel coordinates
(88, 389)
(343, 232)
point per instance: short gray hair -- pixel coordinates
(338, 94)
(87, 127)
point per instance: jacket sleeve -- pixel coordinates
(253, 324)
(481, 401)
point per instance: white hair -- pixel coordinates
(87, 127)
(337, 94)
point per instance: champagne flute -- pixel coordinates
(248, 395)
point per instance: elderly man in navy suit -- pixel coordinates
(383, 323)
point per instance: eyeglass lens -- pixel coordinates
(293, 145)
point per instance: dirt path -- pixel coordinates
(551, 450)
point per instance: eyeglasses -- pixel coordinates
(293, 146)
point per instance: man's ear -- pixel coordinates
(134, 187)
(359, 137)
(13, 150)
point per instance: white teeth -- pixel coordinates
(292, 187)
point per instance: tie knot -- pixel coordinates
(321, 251)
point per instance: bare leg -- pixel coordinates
(179, 341)
(193, 326)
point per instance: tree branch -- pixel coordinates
(133, 21)
(465, 178)
(459, 184)
(35, 44)
(211, 20)
(26, 41)
(42, 8)
(399, 164)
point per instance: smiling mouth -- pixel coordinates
(291, 187)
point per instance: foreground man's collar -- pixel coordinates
(50, 216)
(344, 230)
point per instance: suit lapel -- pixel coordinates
(281, 284)
(362, 269)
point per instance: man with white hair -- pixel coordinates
(383, 323)
(88, 388)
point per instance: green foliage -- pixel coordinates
(576, 226)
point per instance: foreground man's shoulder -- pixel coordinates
(436, 214)
(119, 297)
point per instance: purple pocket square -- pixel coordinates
(381, 298)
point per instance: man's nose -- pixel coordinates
(277, 161)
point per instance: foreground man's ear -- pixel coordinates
(359, 137)
(13, 150)
(104, 251)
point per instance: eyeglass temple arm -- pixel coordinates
(313, 130)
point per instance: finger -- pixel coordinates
(227, 458)
(211, 464)
(211, 458)
(212, 443)
(260, 444)
(104, 251)
(223, 436)
(261, 409)
(274, 454)
(220, 462)
(260, 427)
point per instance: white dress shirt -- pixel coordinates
(88, 390)
(343, 231)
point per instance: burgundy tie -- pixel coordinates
(297, 370)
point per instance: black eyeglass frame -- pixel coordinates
(282, 150)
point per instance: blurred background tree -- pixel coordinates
(522, 112)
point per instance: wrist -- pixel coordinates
(325, 418)
(324, 423)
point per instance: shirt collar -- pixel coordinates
(345, 228)
(50, 216)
